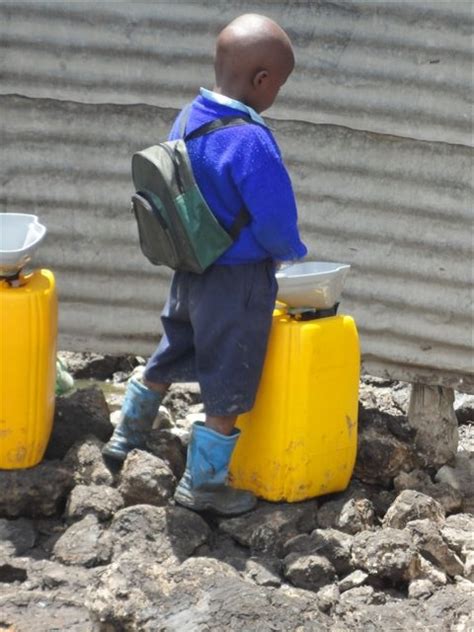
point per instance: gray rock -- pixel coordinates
(411, 505)
(84, 544)
(49, 575)
(263, 572)
(327, 597)
(331, 543)
(388, 553)
(447, 609)
(85, 459)
(469, 566)
(466, 438)
(12, 570)
(451, 606)
(100, 500)
(335, 546)
(432, 415)
(164, 419)
(225, 549)
(36, 491)
(461, 477)
(358, 596)
(34, 610)
(146, 479)
(161, 534)
(200, 594)
(381, 455)
(267, 528)
(357, 514)
(180, 397)
(301, 543)
(353, 580)
(16, 536)
(431, 545)
(168, 447)
(329, 512)
(385, 396)
(419, 480)
(427, 570)
(83, 413)
(308, 571)
(464, 408)
(420, 588)
(457, 532)
(97, 366)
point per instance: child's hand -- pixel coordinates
(281, 265)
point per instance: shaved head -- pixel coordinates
(249, 45)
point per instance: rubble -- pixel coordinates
(36, 491)
(100, 500)
(87, 464)
(87, 545)
(460, 476)
(16, 536)
(308, 571)
(269, 526)
(146, 479)
(76, 416)
(449, 497)
(411, 505)
(386, 553)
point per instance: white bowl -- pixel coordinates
(311, 284)
(20, 235)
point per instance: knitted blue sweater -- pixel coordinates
(240, 166)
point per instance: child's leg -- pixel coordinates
(231, 312)
(221, 424)
(172, 359)
(156, 386)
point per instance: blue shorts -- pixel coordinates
(216, 327)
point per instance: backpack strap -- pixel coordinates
(220, 123)
(184, 120)
(243, 217)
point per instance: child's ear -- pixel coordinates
(259, 78)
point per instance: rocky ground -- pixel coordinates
(85, 547)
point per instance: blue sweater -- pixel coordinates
(240, 166)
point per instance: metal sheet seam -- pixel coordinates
(268, 120)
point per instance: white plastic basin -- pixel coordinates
(311, 284)
(20, 235)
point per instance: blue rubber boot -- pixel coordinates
(139, 410)
(203, 486)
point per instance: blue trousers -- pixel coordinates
(216, 327)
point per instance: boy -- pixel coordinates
(216, 324)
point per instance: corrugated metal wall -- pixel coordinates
(375, 126)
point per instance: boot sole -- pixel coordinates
(116, 456)
(186, 502)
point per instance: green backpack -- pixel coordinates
(176, 227)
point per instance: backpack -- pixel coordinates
(176, 227)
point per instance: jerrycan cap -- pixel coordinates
(20, 236)
(309, 313)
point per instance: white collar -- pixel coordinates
(232, 103)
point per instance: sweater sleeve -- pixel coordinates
(268, 195)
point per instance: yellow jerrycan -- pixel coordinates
(300, 439)
(28, 332)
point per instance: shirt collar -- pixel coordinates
(232, 103)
